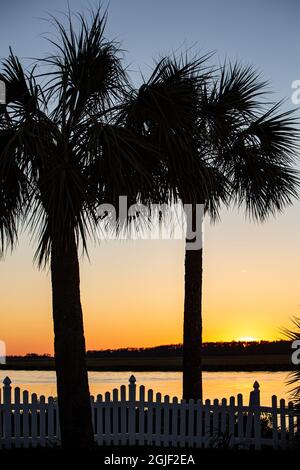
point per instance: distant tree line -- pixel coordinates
(209, 349)
(226, 348)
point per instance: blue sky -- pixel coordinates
(263, 33)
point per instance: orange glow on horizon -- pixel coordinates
(132, 292)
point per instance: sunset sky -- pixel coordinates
(132, 291)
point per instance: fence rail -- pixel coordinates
(130, 416)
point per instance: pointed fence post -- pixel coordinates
(253, 418)
(132, 388)
(255, 403)
(7, 411)
(132, 412)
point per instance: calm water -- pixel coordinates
(216, 384)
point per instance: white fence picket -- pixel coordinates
(223, 423)
(132, 410)
(141, 413)
(174, 415)
(150, 417)
(33, 416)
(274, 422)
(123, 416)
(42, 433)
(115, 423)
(216, 410)
(50, 415)
(291, 421)
(132, 420)
(199, 423)
(166, 428)
(232, 415)
(25, 418)
(17, 417)
(157, 439)
(282, 424)
(240, 419)
(207, 423)
(182, 423)
(99, 420)
(107, 419)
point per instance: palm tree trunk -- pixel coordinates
(192, 326)
(70, 361)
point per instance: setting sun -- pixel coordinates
(247, 338)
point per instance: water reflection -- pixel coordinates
(215, 384)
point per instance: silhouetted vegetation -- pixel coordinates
(218, 348)
(209, 349)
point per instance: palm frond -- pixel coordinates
(86, 69)
(21, 87)
(183, 135)
(12, 191)
(169, 97)
(165, 111)
(259, 164)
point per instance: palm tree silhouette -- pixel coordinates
(218, 142)
(61, 155)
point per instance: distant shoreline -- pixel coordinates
(237, 363)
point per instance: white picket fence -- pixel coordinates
(130, 418)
